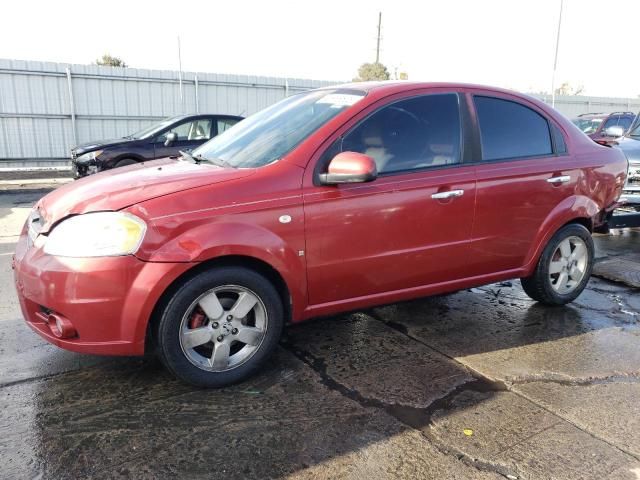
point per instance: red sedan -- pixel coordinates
(330, 200)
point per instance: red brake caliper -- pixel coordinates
(197, 318)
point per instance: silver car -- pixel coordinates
(630, 145)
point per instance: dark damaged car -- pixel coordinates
(163, 139)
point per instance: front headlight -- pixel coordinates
(100, 234)
(89, 157)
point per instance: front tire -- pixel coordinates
(125, 161)
(220, 327)
(564, 268)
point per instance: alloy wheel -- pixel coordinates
(223, 328)
(568, 265)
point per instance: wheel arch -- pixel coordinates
(112, 162)
(586, 222)
(245, 261)
(578, 209)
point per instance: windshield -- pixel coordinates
(587, 125)
(153, 129)
(273, 132)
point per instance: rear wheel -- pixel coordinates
(220, 327)
(564, 267)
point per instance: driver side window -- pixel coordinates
(411, 134)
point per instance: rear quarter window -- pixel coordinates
(510, 130)
(558, 139)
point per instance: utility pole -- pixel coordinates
(378, 43)
(180, 76)
(555, 61)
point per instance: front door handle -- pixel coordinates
(447, 194)
(562, 179)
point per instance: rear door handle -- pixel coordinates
(447, 194)
(562, 179)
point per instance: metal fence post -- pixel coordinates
(72, 108)
(195, 79)
(286, 87)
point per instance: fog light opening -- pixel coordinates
(60, 326)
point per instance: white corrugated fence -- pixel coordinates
(46, 108)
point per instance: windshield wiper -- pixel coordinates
(188, 156)
(216, 161)
(198, 159)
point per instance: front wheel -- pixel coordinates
(220, 327)
(125, 162)
(564, 268)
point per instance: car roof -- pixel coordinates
(402, 85)
(605, 115)
(593, 115)
(388, 87)
(194, 115)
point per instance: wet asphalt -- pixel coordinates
(482, 383)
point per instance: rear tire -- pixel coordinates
(220, 327)
(564, 268)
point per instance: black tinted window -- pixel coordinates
(511, 130)
(558, 138)
(414, 133)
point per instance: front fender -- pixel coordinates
(577, 207)
(218, 238)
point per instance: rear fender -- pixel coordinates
(575, 208)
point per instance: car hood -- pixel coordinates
(125, 186)
(631, 148)
(91, 146)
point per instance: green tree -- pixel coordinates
(108, 61)
(372, 71)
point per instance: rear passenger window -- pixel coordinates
(410, 134)
(511, 130)
(226, 124)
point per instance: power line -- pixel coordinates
(555, 61)
(378, 39)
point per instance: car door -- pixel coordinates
(408, 228)
(191, 133)
(523, 173)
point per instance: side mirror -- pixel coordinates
(615, 131)
(171, 138)
(350, 167)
